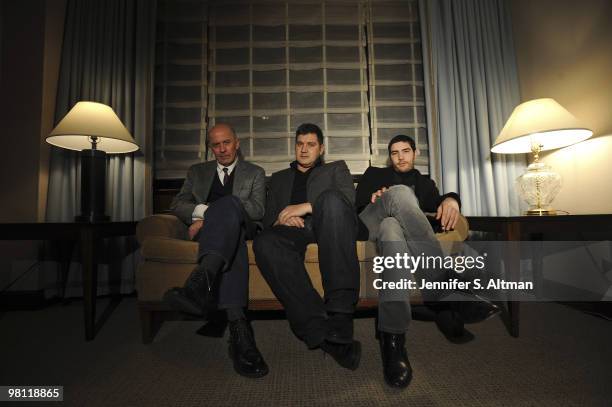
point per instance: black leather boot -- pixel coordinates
(475, 311)
(347, 355)
(195, 297)
(396, 367)
(340, 328)
(451, 325)
(247, 360)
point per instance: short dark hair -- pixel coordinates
(400, 138)
(307, 128)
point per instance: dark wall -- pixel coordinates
(1, 17)
(21, 88)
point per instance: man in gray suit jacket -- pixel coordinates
(222, 201)
(307, 203)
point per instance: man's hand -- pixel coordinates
(378, 194)
(448, 213)
(294, 221)
(292, 211)
(195, 227)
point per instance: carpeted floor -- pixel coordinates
(563, 357)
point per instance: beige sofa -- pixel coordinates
(168, 257)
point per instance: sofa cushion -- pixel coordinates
(160, 225)
(168, 250)
(153, 278)
(365, 251)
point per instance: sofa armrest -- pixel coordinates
(458, 234)
(168, 226)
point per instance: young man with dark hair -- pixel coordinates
(312, 202)
(391, 203)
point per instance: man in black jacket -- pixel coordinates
(312, 202)
(391, 203)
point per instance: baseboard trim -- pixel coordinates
(23, 300)
(602, 309)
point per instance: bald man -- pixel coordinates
(222, 202)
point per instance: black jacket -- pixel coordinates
(334, 175)
(424, 188)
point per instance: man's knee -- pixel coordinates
(401, 194)
(390, 230)
(332, 201)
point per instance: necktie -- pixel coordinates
(225, 176)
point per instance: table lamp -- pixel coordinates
(535, 126)
(95, 130)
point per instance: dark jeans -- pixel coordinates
(224, 235)
(280, 256)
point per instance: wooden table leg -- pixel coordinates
(512, 262)
(537, 267)
(90, 274)
(65, 249)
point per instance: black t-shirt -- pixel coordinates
(406, 178)
(299, 193)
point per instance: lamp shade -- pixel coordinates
(91, 119)
(539, 122)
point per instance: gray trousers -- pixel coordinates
(397, 224)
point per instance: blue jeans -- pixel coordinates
(398, 225)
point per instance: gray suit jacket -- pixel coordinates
(334, 175)
(249, 186)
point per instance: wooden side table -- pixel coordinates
(88, 236)
(517, 228)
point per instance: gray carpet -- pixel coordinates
(563, 357)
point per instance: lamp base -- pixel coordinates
(538, 186)
(93, 187)
(540, 212)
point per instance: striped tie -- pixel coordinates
(225, 176)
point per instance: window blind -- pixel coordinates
(265, 66)
(277, 64)
(181, 86)
(397, 91)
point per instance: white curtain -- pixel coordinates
(474, 76)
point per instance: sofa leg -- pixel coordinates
(150, 323)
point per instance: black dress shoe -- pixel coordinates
(396, 367)
(247, 360)
(340, 328)
(450, 323)
(475, 311)
(346, 355)
(195, 297)
(215, 325)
